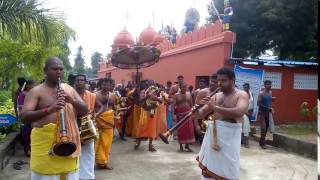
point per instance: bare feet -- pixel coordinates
(152, 148)
(104, 166)
(263, 146)
(28, 153)
(188, 148)
(108, 167)
(181, 148)
(216, 147)
(136, 146)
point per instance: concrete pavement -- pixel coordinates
(168, 164)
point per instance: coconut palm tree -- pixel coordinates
(29, 33)
(28, 21)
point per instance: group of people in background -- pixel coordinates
(141, 111)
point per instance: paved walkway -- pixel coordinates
(168, 164)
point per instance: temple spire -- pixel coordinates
(127, 18)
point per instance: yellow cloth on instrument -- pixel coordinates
(41, 161)
(103, 146)
(106, 120)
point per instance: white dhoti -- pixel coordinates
(226, 162)
(87, 161)
(69, 176)
(271, 123)
(246, 125)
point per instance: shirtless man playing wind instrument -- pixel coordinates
(229, 106)
(42, 107)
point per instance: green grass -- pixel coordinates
(298, 129)
(305, 131)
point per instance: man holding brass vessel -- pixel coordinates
(52, 109)
(219, 157)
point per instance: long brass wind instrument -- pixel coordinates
(64, 147)
(164, 136)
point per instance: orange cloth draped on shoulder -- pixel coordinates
(161, 117)
(147, 125)
(90, 99)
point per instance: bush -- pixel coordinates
(305, 111)
(4, 96)
(7, 108)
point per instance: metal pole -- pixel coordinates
(137, 76)
(216, 11)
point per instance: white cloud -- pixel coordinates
(97, 22)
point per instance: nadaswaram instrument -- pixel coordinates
(64, 147)
(164, 137)
(150, 104)
(119, 106)
(164, 95)
(88, 131)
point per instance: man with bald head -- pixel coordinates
(42, 109)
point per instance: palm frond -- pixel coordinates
(28, 21)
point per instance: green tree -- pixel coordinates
(95, 59)
(89, 72)
(29, 34)
(289, 27)
(28, 22)
(79, 63)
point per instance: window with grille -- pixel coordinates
(275, 78)
(305, 81)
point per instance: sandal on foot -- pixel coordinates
(17, 166)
